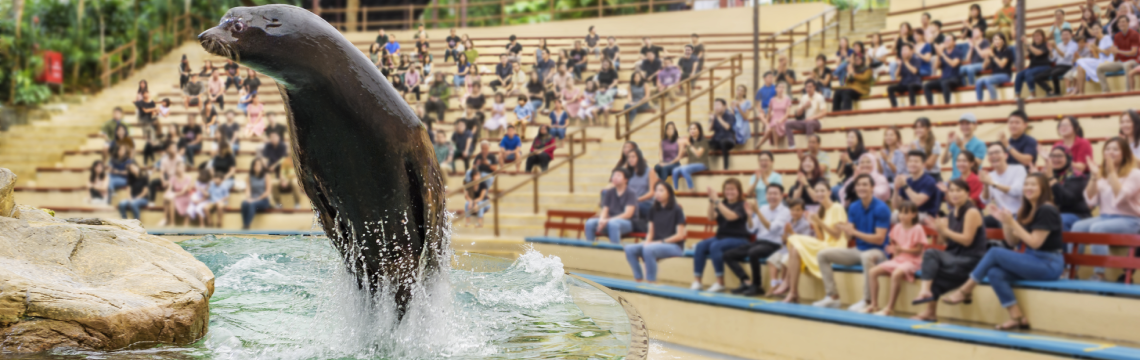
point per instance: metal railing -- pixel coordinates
(769, 45)
(735, 65)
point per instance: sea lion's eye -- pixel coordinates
(239, 26)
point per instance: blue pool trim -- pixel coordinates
(204, 232)
(1080, 286)
(1020, 341)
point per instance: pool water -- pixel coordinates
(290, 298)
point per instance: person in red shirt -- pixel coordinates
(1073, 140)
(1126, 52)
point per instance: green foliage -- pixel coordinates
(487, 13)
(27, 91)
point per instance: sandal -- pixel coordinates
(1013, 324)
(965, 299)
(923, 300)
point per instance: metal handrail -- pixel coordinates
(736, 61)
(790, 32)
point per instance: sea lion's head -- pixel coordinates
(277, 40)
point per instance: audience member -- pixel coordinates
(965, 238)
(855, 149)
(504, 74)
(1068, 188)
(918, 187)
(476, 201)
(807, 176)
(98, 184)
(905, 36)
(908, 242)
(812, 107)
(637, 92)
(514, 48)
(665, 235)
(216, 90)
(924, 50)
(731, 232)
(999, 61)
(119, 169)
(1126, 52)
(619, 208)
(650, 66)
(843, 56)
(523, 114)
(1003, 20)
(892, 157)
(1040, 62)
(868, 222)
(184, 71)
(444, 150)
(484, 162)
(1003, 184)
(541, 150)
(1130, 130)
(977, 51)
(219, 194)
(192, 92)
(975, 20)
(967, 141)
(1022, 147)
(558, 121)
(805, 250)
(577, 59)
(779, 108)
(1038, 226)
(256, 192)
(925, 141)
(177, 195)
(767, 223)
(968, 166)
(137, 182)
(498, 120)
(1073, 140)
(766, 91)
(275, 152)
(572, 99)
(867, 164)
(743, 112)
(640, 179)
(1098, 46)
(909, 79)
(647, 48)
(859, 83)
(225, 163)
(603, 103)
(947, 58)
(1114, 188)
(668, 77)
(1062, 54)
(464, 141)
(670, 152)
(822, 76)
(689, 64)
(723, 137)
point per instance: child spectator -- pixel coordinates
(731, 232)
(216, 205)
(665, 237)
(256, 193)
(510, 148)
(767, 222)
(200, 199)
(619, 207)
(797, 225)
(498, 120)
(908, 242)
(586, 106)
(603, 102)
(558, 121)
(523, 114)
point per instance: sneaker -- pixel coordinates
(858, 307)
(715, 287)
(827, 302)
(696, 286)
(741, 289)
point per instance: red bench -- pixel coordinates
(562, 226)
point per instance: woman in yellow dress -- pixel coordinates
(803, 249)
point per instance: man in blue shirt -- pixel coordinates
(766, 92)
(392, 46)
(868, 221)
(1022, 147)
(947, 57)
(918, 186)
(967, 123)
(510, 148)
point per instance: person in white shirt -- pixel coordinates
(767, 224)
(1063, 54)
(1003, 184)
(1098, 45)
(811, 108)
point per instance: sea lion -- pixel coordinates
(363, 156)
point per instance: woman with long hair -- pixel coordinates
(778, 113)
(559, 118)
(1114, 188)
(98, 184)
(178, 195)
(637, 92)
(1039, 61)
(964, 234)
(867, 164)
(664, 238)
(1068, 188)
(640, 178)
(463, 67)
(137, 181)
(572, 99)
(1073, 140)
(545, 143)
(999, 61)
(925, 141)
(723, 134)
(1037, 226)
(892, 158)
(184, 71)
(968, 166)
(855, 149)
(807, 176)
(670, 152)
(257, 197)
(822, 75)
(905, 36)
(1130, 130)
(975, 20)
(696, 151)
(858, 84)
(843, 55)
(731, 232)
(804, 249)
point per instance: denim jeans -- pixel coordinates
(841, 73)
(893, 67)
(133, 205)
(191, 150)
(1067, 221)
(633, 113)
(990, 82)
(970, 72)
(534, 105)
(664, 171)
(458, 81)
(559, 133)
(615, 228)
(713, 249)
(116, 182)
(1106, 224)
(1004, 266)
(250, 208)
(687, 171)
(1027, 77)
(478, 208)
(650, 253)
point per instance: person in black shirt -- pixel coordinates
(137, 180)
(1068, 187)
(464, 142)
(148, 114)
(485, 162)
(1039, 62)
(272, 126)
(665, 235)
(731, 232)
(274, 151)
(232, 78)
(1038, 226)
(607, 76)
(251, 82)
(381, 37)
(452, 50)
(611, 52)
(475, 202)
(191, 138)
(650, 66)
(698, 50)
(503, 73)
(689, 65)
(592, 42)
(514, 48)
(650, 48)
(225, 164)
(576, 59)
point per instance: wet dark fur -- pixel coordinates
(362, 155)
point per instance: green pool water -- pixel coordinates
(290, 298)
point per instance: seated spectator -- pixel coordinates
(1130, 130)
(1114, 187)
(969, 165)
(275, 151)
(216, 90)
(178, 194)
(823, 76)
(721, 123)
(804, 249)
(375, 52)
(1038, 53)
(232, 77)
(607, 77)
(545, 143)
(855, 150)
(392, 46)
(779, 109)
(475, 100)
(192, 92)
(867, 164)
(219, 194)
(664, 237)
(999, 61)
(225, 164)
(696, 151)
(918, 187)
(184, 71)
(812, 107)
(1073, 140)
(892, 158)
(498, 120)
(924, 50)
(807, 176)
(905, 36)
(477, 201)
(1068, 188)
(947, 58)
(228, 132)
(558, 121)
(484, 162)
(1022, 146)
(783, 73)
(798, 224)
(207, 68)
(444, 150)
(256, 193)
(1003, 184)
(1038, 226)
(1089, 20)
(1098, 46)
(612, 52)
(286, 183)
(909, 79)
(767, 222)
(843, 55)
(603, 103)
(924, 141)
(868, 222)
(464, 142)
(650, 66)
(251, 81)
(470, 120)
(859, 82)
(1062, 54)
(967, 123)
(577, 59)
(271, 125)
(764, 176)
(1126, 51)
(504, 74)
(121, 140)
(646, 48)
(670, 152)
(766, 91)
(523, 114)
(619, 208)
(470, 51)
(731, 232)
(510, 148)
(742, 112)
(167, 167)
(879, 54)
(637, 92)
(689, 63)
(965, 238)
(120, 165)
(908, 240)
(572, 99)
(98, 184)
(1003, 20)
(462, 69)
(640, 179)
(975, 20)
(535, 90)
(667, 77)
(191, 140)
(977, 50)
(513, 48)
